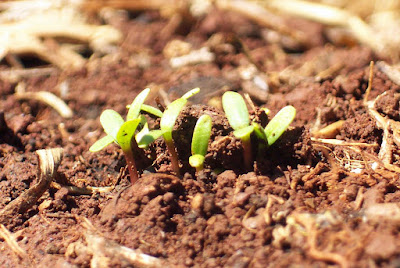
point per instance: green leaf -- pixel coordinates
(126, 132)
(244, 133)
(102, 143)
(171, 113)
(146, 139)
(190, 93)
(111, 122)
(236, 110)
(196, 160)
(135, 107)
(278, 125)
(201, 135)
(169, 117)
(151, 110)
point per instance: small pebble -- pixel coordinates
(168, 197)
(241, 198)
(197, 202)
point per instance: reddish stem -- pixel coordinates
(130, 161)
(247, 154)
(174, 157)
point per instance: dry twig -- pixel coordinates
(343, 143)
(48, 98)
(15, 75)
(262, 16)
(104, 250)
(172, 5)
(310, 225)
(390, 127)
(271, 200)
(329, 131)
(393, 72)
(87, 190)
(12, 243)
(333, 16)
(49, 161)
(26, 28)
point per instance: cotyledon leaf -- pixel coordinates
(147, 138)
(136, 105)
(244, 132)
(278, 125)
(101, 143)
(235, 109)
(151, 110)
(111, 122)
(201, 135)
(126, 132)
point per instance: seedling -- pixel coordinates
(122, 132)
(134, 133)
(238, 116)
(277, 126)
(167, 124)
(201, 136)
(112, 122)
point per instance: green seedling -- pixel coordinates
(167, 124)
(123, 133)
(238, 116)
(201, 136)
(277, 126)
(112, 122)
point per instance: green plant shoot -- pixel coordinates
(167, 124)
(201, 136)
(123, 133)
(238, 116)
(126, 141)
(136, 105)
(276, 127)
(112, 121)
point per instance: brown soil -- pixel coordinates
(306, 203)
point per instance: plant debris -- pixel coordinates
(28, 27)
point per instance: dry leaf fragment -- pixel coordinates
(103, 250)
(49, 160)
(48, 98)
(24, 34)
(12, 243)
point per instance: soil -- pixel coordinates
(305, 203)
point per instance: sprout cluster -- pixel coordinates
(134, 134)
